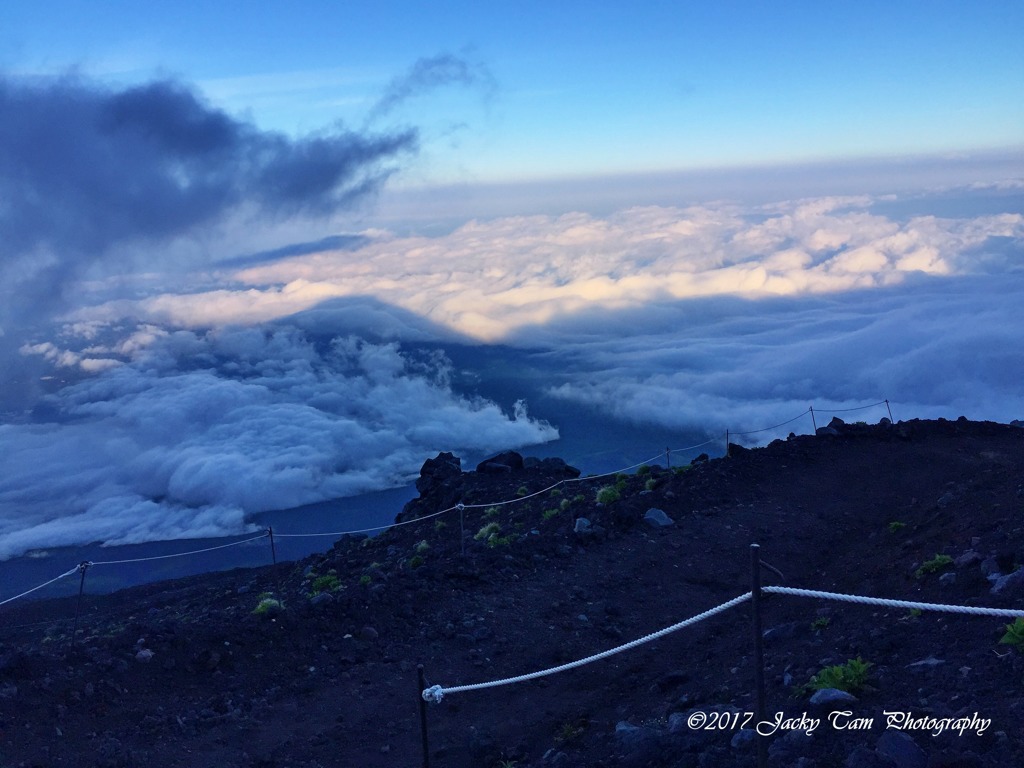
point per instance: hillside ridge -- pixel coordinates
(193, 672)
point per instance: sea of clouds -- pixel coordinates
(161, 383)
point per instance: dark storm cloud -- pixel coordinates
(83, 168)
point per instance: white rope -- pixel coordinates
(765, 429)
(845, 410)
(436, 692)
(30, 591)
(973, 610)
(178, 554)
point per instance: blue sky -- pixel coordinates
(574, 88)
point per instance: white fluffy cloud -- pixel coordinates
(488, 280)
(202, 430)
(699, 319)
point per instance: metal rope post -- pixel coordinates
(462, 528)
(423, 715)
(727, 443)
(82, 568)
(889, 410)
(273, 549)
(814, 422)
(755, 602)
(668, 458)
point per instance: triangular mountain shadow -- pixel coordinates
(372, 319)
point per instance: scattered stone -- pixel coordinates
(832, 698)
(656, 518)
(947, 579)
(744, 740)
(582, 525)
(990, 568)
(369, 634)
(928, 663)
(945, 500)
(638, 744)
(900, 748)
(1011, 585)
(144, 655)
(970, 557)
(321, 598)
(784, 631)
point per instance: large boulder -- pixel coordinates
(508, 461)
(434, 472)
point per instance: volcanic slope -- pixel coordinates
(191, 673)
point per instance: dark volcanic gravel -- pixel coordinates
(185, 673)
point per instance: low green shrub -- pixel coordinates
(329, 582)
(937, 563)
(607, 494)
(850, 677)
(1014, 634)
(491, 529)
(268, 606)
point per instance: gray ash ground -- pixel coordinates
(184, 673)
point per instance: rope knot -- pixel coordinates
(460, 506)
(433, 694)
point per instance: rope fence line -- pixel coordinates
(436, 693)
(766, 429)
(908, 604)
(457, 507)
(46, 584)
(176, 554)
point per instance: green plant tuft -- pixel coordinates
(268, 606)
(329, 582)
(937, 563)
(850, 677)
(896, 526)
(491, 529)
(522, 490)
(1014, 634)
(607, 494)
(820, 623)
(421, 546)
(547, 514)
(415, 561)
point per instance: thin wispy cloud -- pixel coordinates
(430, 73)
